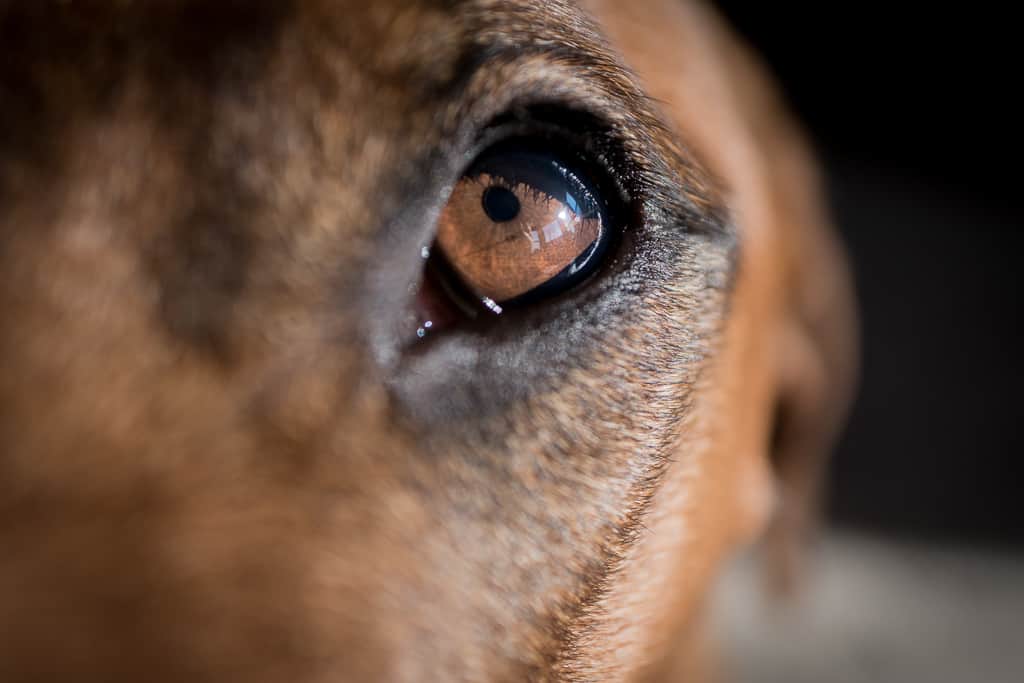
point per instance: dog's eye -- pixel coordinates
(521, 224)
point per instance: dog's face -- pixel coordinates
(232, 449)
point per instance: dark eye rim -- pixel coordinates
(588, 151)
(581, 136)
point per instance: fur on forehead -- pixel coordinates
(85, 53)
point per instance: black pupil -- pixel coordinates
(500, 204)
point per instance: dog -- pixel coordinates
(276, 405)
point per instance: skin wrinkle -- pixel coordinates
(221, 462)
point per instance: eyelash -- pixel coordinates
(568, 125)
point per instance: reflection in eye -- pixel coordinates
(521, 224)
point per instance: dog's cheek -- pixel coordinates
(717, 495)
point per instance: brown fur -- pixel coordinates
(219, 463)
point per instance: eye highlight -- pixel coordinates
(521, 224)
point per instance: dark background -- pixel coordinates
(915, 117)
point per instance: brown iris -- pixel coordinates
(505, 239)
(521, 225)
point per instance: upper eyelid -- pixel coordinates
(653, 169)
(544, 77)
(594, 143)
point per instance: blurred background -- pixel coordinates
(916, 114)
